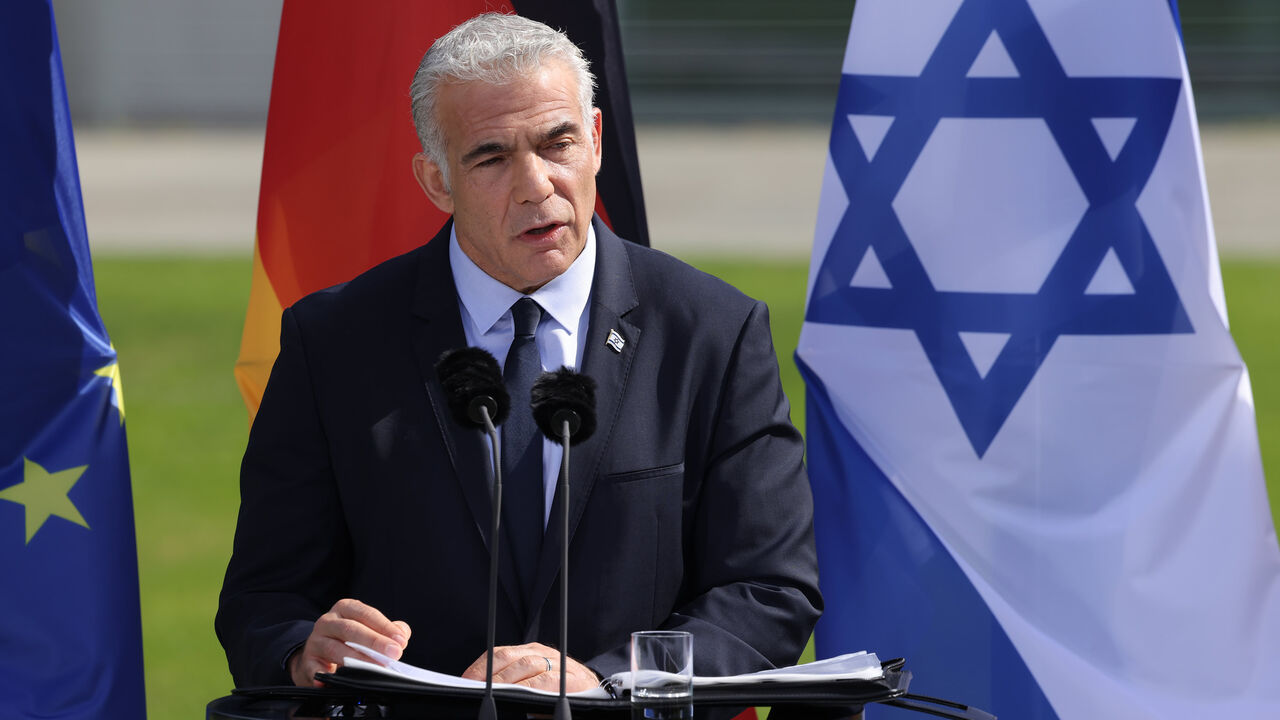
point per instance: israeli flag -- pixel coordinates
(1031, 437)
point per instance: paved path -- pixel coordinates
(750, 189)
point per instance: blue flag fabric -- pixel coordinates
(70, 626)
(1031, 437)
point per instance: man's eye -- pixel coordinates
(489, 161)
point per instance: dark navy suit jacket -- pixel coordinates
(690, 508)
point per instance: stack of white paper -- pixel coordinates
(854, 666)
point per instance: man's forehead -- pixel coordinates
(476, 110)
(542, 123)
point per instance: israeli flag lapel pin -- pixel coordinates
(615, 341)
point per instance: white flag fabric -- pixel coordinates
(1032, 440)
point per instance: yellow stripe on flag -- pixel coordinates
(260, 342)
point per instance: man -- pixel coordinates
(364, 509)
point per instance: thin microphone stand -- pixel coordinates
(488, 710)
(562, 706)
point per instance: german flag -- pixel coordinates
(337, 194)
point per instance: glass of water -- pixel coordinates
(661, 666)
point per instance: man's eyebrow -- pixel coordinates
(568, 127)
(479, 151)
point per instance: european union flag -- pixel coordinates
(1031, 439)
(70, 626)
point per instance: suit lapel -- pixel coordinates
(613, 295)
(439, 329)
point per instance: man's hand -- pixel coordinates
(534, 665)
(348, 620)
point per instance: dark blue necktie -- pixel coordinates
(522, 504)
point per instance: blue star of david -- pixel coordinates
(1033, 321)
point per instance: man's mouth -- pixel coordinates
(541, 230)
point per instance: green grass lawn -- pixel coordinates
(176, 324)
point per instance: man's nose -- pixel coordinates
(533, 179)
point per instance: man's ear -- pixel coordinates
(597, 132)
(431, 180)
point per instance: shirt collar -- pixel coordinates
(486, 300)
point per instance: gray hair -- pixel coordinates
(496, 49)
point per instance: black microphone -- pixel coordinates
(564, 396)
(564, 408)
(473, 384)
(478, 399)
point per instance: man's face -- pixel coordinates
(522, 170)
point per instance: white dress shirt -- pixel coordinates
(486, 304)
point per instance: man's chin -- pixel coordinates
(529, 284)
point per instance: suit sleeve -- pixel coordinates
(292, 551)
(751, 574)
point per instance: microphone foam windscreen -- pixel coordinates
(564, 389)
(467, 373)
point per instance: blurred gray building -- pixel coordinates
(208, 62)
(168, 62)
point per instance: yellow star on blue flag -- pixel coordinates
(45, 494)
(112, 373)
